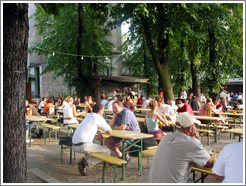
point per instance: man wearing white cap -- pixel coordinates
(177, 152)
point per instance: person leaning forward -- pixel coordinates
(123, 119)
(83, 137)
(177, 152)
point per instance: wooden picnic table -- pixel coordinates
(238, 131)
(39, 119)
(211, 119)
(241, 111)
(129, 135)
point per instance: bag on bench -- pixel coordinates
(66, 140)
(147, 142)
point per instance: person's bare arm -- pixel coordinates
(121, 127)
(162, 118)
(112, 122)
(219, 177)
(210, 162)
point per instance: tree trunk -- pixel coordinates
(195, 79)
(212, 61)
(15, 50)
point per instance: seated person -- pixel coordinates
(48, 105)
(239, 105)
(184, 107)
(34, 112)
(129, 105)
(41, 105)
(229, 165)
(75, 100)
(152, 118)
(69, 112)
(140, 100)
(123, 119)
(194, 103)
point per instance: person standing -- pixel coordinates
(123, 119)
(177, 152)
(83, 137)
(229, 165)
(222, 94)
(161, 93)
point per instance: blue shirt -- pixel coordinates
(127, 117)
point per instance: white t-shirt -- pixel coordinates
(174, 158)
(41, 105)
(230, 163)
(110, 105)
(167, 110)
(88, 128)
(145, 105)
(104, 102)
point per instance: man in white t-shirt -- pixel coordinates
(109, 107)
(229, 165)
(165, 109)
(105, 101)
(83, 137)
(177, 152)
(146, 103)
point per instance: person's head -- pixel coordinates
(128, 98)
(149, 97)
(156, 97)
(160, 89)
(209, 100)
(113, 98)
(121, 99)
(50, 100)
(89, 98)
(26, 103)
(85, 97)
(179, 103)
(98, 109)
(44, 99)
(117, 106)
(69, 99)
(187, 124)
(180, 95)
(169, 99)
(75, 97)
(160, 102)
(239, 101)
(107, 98)
(221, 90)
(217, 101)
(153, 105)
(194, 97)
(141, 96)
(103, 91)
(223, 100)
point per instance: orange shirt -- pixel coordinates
(46, 107)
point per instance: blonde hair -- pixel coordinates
(68, 99)
(153, 105)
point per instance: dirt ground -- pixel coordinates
(47, 158)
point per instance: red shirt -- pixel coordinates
(218, 107)
(186, 108)
(129, 105)
(140, 101)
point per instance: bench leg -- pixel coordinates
(71, 155)
(61, 153)
(103, 173)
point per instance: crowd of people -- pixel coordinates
(178, 150)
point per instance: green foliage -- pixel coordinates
(59, 32)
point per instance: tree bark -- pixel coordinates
(15, 50)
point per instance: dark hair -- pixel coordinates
(43, 98)
(178, 102)
(240, 101)
(149, 96)
(97, 107)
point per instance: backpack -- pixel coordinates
(147, 142)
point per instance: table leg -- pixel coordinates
(216, 137)
(30, 134)
(44, 134)
(123, 157)
(239, 137)
(141, 158)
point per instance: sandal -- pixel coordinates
(82, 166)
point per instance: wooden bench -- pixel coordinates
(51, 128)
(149, 153)
(111, 160)
(47, 178)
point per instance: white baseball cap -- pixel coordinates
(186, 120)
